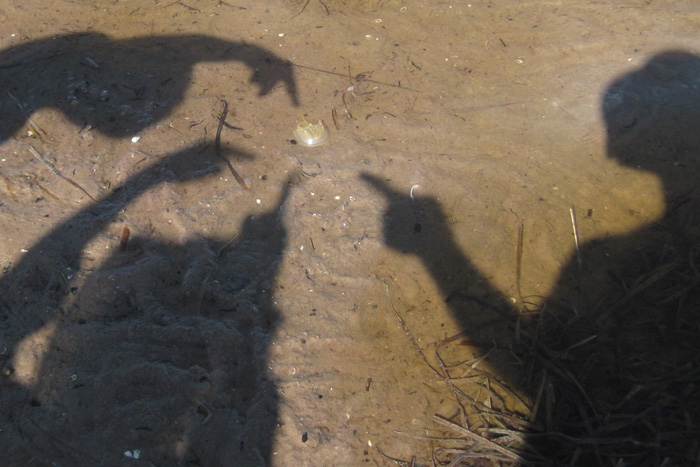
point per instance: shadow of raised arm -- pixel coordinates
(117, 86)
(70, 237)
(420, 226)
(171, 328)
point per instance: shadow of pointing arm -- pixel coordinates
(419, 226)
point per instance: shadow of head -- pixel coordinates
(120, 87)
(652, 116)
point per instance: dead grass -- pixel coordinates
(618, 386)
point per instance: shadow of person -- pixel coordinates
(161, 349)
(612, 362)
(121, 86)
(628, 311)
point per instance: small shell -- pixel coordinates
(311, 134)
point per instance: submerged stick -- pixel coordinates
(53, 169)
(124, 240)
(575, 227)
(444, 377)
(328, 72)
(471, 108)
(395, 460)
(302, 9)
(208, 414)
(8, 186)
(525, 306)
(39, 131)
(334, 114)
(217, 145)
(518, 263)
(474, 437)
(411, 339)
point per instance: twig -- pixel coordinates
(550, 362)
(29, 60)
(201, 294)
(575, 228)
(593, 441)
(208, 414)
(334, 114)
(188, 7)
(124, 240)
(538, 398)
(411, 339)
(60, 442)
(8, 186)
(462, 456)
(328, 72)
(443, 367)
(474, 437)
(302, 9)
(411, 463)
(328, 12)
(347, 110)
(39, 131)
(471, 108)
(518, 263)
(233, 239)
(217, 145)
(416, 347)
(48, 164)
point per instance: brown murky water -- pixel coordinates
(264, 327)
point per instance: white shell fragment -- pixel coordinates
(135, 454)
(311, 134)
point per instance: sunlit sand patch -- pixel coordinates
(29, 355)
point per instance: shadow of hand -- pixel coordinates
(413, 225)
(274, 71)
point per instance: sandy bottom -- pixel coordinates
(361, 295)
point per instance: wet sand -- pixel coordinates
(279, 326)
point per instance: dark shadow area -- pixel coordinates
(160, 349)
(611, 361)
(120, 87)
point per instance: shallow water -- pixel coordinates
(264, 325)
